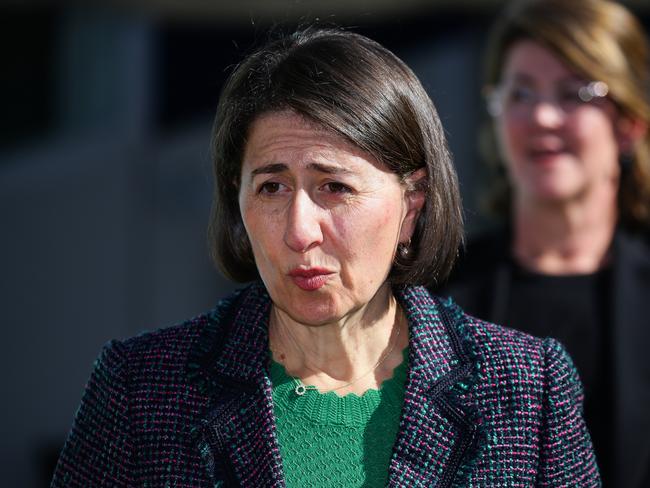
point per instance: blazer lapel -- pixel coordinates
(237, 438)
(631, 366)
(437, 429)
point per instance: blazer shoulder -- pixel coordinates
(502, 347)
(516, 353)
(173, 345)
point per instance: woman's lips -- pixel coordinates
(547, 150)
(546, 156)
(310, 279)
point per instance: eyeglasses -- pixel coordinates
(519, 99)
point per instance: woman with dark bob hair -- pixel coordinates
(336, 196)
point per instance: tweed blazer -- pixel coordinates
(481, 284)
(191, 406)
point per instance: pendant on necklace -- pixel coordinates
(300, 389)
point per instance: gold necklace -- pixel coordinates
(301, 388)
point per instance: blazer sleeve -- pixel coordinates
(566, 456)
(98, 450)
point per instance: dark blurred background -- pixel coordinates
(106, 109)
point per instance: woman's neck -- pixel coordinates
(331, 355)
(566, 237)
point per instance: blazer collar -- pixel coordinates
(237, 437)
(438, 435)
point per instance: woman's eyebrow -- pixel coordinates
(270, 169)
(329, 169)
(519, 77)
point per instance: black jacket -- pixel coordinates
(481, 282)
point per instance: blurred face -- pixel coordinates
(323, 218)
(556, 146)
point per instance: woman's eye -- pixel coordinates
(336, 187)
(521, 94)
(270, 187)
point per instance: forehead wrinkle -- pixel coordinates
(301, 148)
(273, 147)
(315, 158)
(275, 168)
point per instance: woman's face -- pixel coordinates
(323, 218)
(556, 148)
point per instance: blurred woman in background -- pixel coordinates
(568, 87)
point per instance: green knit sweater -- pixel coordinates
(331, 441)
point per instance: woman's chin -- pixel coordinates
(313, 318)
(312, 311)
(552, 191)
(554, 195)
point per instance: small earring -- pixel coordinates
(404, 249)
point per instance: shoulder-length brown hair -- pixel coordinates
(602, 41)
(361, 91)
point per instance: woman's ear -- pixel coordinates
(414, 197)
(630, 130)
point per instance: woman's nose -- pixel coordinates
(547, 114)
(303, 227)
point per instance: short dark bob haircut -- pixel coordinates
(359, 90)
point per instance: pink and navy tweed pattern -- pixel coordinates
(191, 406)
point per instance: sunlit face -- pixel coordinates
(323, 218)
(555, 150)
